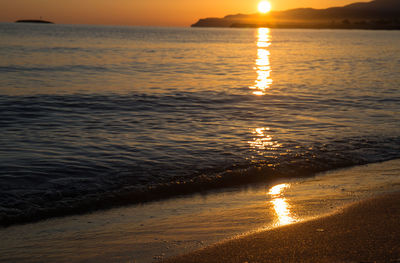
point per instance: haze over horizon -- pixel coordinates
(140, 13)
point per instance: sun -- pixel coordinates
(264, 7)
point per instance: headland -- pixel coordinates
(377, 14)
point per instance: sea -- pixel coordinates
(95, 117)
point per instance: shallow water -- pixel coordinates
(101, 116)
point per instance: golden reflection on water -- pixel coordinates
(263, 67)
(263, 141)
(280, 204)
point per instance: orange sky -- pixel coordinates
(141, 12)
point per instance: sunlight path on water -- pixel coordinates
(262, 65)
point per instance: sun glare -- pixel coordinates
(264, 7)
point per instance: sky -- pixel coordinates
(142, 12)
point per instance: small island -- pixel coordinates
(37, 21)
(377, 14)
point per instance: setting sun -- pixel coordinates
(264, 7)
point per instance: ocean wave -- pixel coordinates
(63, 68)
(77, 188)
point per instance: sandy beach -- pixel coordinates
(364, 232)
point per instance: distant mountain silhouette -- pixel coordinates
(378, 14)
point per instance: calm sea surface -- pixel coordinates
(96, 116)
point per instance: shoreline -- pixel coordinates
(363, 232)
(224, 180)
(155, 231)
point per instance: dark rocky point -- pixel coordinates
(34, 21)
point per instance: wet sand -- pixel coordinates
(368, 231)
